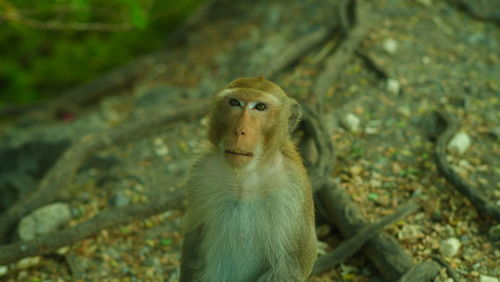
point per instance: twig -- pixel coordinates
(295, 50)
(466, 7)
(483, 205)
(351, 246)
(451, 272)
(63, 171)
(346, 15)
(372, 65)
(57, 25)
(73, 265)
(105, 219)
(335, 63)
(422, 272)
(388, 256)
(313, 126)
(383, 250)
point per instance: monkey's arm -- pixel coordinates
(189, 258)
(297, 263)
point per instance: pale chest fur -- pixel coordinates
(247, 218)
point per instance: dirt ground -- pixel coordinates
(436, 57)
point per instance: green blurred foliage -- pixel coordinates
(39, 62)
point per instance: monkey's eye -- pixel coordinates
(260, 107)
(234, 102)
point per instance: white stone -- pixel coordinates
(373, 126)
(390, 45)
(351, 122)
(485, 278)
(43, 221)
(3, 270)
(410, 232)
(28, 262)
(450, 247)
(393, 86)
(459, 143)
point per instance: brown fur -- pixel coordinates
(250, 218)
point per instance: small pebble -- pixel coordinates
(459, 143)
(485, 278)
(43, 221)
(393, 86)
(405, 111)
(28, 262)
(351, 122)
(119, 200)
(373, 127)
(356, 170)
(450, 247)
(3, 270)
(410, 232)
(390, 46)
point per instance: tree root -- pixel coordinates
(482, 204)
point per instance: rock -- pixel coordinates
(119, 200)
(356, 170)
(410, 233)
(351, 122)
(485, 278)
(373, 127)
(28, 262)
(459, 143)
(43, 221)
(404, 110)
(161, 149)
(426, 60)
(393, 86)
(390, 45)
(450, 247)
(3, 270)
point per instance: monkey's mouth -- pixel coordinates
(239, 153)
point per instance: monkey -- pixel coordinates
(250, 214)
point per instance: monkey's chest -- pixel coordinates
(238, 243)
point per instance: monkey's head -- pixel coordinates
(250, 119)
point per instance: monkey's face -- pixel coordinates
(245, 120)
(250, 120)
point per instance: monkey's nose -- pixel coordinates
(240, 132)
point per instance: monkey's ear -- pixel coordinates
(295, 116)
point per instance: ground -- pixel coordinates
(444, 59)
